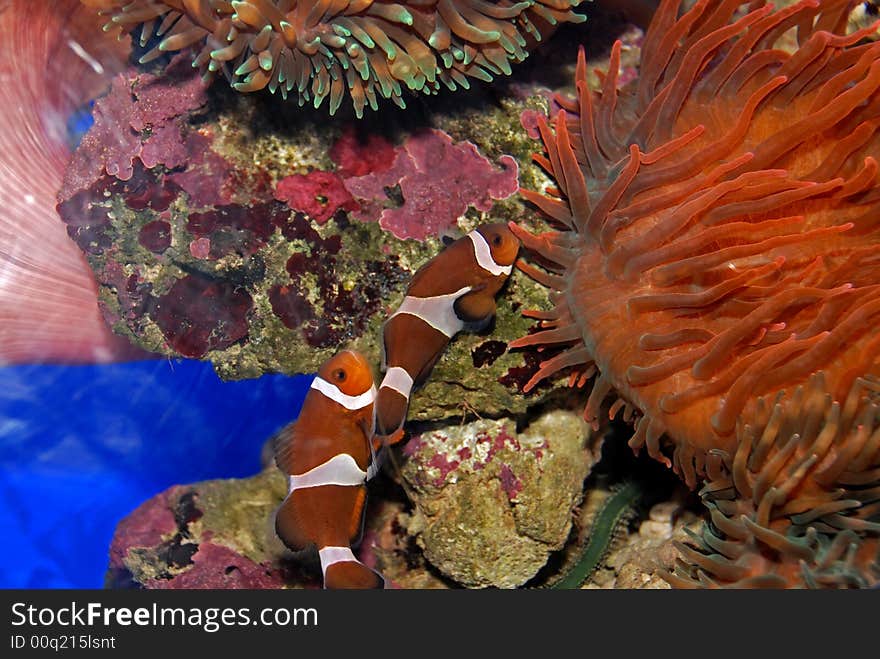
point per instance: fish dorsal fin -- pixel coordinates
(282, 447)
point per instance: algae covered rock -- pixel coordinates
(491, 503)
(213, 534)
(482, 503)
(264, 238)
(221, 534)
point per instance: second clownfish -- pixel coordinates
(328, 455)
(453, 291)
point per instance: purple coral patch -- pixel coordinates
(413, 446)
(430, 184)
(444, 466)
(208, 176)
(509, 482)
(145, 526)
(216, 566)
(495, 444)
(359, 155)
(439, 455)
(134, 294)
(486, 353)
(234, 229)
(155, 236)
(517, 376)
(291, 306)
(529, 119)
(200, 314)
(343, 311)
(147, 189)
(87, 223)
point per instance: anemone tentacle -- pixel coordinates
(317, 50)
(725, 212)
(784, 509)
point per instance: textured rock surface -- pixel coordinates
(216, 234)
(262, 236)
(498, 514)
(220, 534)
(488, 508)
(491, 504)
(215, 534)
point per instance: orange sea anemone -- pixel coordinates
(718, 265)
(317, 50)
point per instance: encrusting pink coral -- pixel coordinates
(136, 105)
(437, 180)
(717, 265)
(318, 194)
(318, 49)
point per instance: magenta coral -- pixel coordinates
(141, 118)
(198, 315)
(357, 155)
(217, 566)
(318, 50)
(318, 194)
(438, 180)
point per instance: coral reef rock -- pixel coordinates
(221, 534)
(214, 534)
(491, 504)
(219, 231)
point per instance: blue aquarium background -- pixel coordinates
(83, 446)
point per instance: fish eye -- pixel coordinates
(496, 240)
(339, 375)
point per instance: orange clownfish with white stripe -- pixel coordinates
(328, 455)
(453, 291)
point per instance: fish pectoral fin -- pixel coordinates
(282, 442)
(475, 307)
(395, 437)
(289, 526)
(381, 441)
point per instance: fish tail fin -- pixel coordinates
(342, 570)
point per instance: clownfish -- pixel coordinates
(453, 291)
(329, 455)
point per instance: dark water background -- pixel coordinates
(82, 446)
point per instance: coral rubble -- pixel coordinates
(491, 504)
